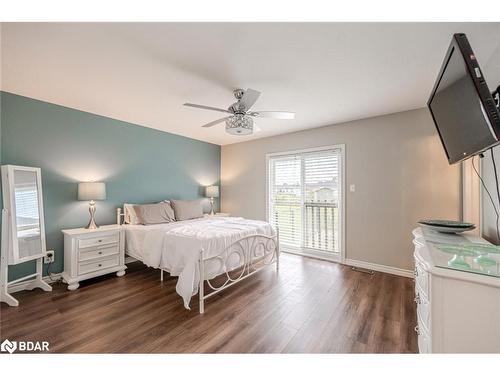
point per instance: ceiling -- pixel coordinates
(142, 73)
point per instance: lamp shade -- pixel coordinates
(91, 191)
(212, 191)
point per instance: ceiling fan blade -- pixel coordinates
(249, 98)
(207, 107)
(274, 114)
(210, 124)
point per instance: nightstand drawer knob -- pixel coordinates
(86, 241)
(99, 266)
(101, 251)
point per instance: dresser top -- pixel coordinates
(443, 263)
(79, 231)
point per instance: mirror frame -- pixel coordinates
(10, 204)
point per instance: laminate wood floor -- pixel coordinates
(310, 306)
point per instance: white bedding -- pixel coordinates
(135, 235)
(176, 246)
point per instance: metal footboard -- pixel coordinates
(254, 253)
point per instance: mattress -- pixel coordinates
(177, 247)
(135, 236)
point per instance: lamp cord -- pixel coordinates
(49, 274)
(489, 195)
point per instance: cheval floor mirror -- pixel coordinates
(23, 229)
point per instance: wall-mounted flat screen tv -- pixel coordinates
(462, 106)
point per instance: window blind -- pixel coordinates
(26, 206)
(286, 199)
(304, 199)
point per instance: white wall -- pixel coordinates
(396, 162)
(488, 223)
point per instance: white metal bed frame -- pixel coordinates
(254, 253)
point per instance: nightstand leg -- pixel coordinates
(73, 286)
(120, 273)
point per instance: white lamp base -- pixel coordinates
(212, 212)
(92, 224)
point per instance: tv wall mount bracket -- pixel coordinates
(496, 96)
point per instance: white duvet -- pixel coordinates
(176, 247)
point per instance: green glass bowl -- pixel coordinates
(446, 223)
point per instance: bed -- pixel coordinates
(197, 251)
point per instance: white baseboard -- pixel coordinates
(355, 263)
(379, 268)
(315, 255)
(22, 285)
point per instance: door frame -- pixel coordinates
(342, 185)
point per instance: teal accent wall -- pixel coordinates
(138, 164)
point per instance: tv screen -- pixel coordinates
(462, 106)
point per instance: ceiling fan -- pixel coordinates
(240, 119)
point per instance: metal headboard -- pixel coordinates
(120, 217)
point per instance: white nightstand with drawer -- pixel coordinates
(92, 252)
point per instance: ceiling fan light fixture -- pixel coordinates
(240, 119)
(239, 125)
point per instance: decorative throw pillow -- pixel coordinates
(130, 216)
(157, 213)
(185, 210)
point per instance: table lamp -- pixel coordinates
(91, 191)
(212, 192)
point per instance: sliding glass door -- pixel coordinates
(305, 200)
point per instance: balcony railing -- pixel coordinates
(318, 229)
(321, 226)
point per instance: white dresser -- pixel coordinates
(457, 311)
(92, 252)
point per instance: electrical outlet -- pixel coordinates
(49, 258)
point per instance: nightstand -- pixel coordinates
(92, 252)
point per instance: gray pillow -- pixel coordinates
(185, 210)
(156, 213)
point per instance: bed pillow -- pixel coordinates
(130, 217)
(157, 213)
(185, 210)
